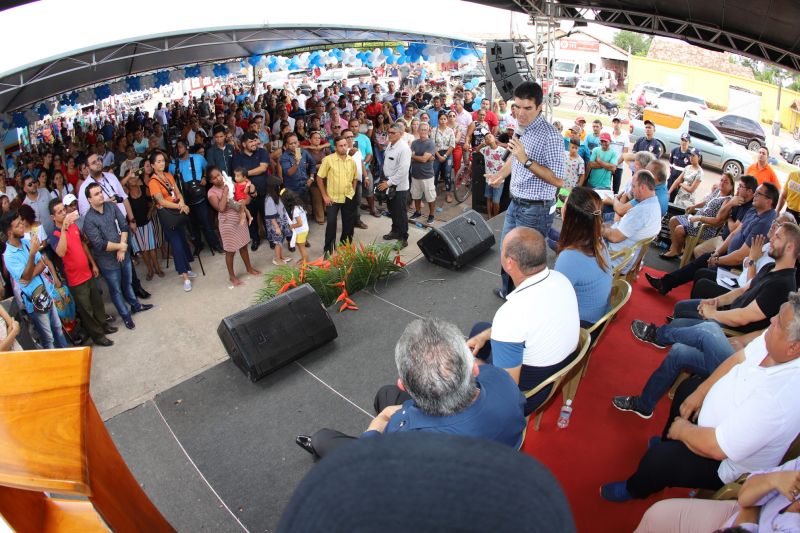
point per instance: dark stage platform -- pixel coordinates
(217, 452)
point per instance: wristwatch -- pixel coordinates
(748, 262)
(528, 163)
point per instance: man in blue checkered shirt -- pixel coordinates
(536, 165)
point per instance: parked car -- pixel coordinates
(597, 83)
(741, 130)
(651, 92)
(715, 149)
(677, 103)
(791, 154)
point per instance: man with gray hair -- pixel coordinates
(641, 222)
(740, 419)
(396, 162)
(441, 389)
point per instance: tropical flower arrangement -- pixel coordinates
(349, 269)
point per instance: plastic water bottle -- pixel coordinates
(563, 417)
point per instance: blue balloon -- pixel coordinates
(387, 51)
(401, 60)
(469, 85)
(390, 59)
(400, 49)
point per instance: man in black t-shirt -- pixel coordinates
(648, 143)
(678, 160)
(256, 161)
(745, 309)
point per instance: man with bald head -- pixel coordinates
(529, 340)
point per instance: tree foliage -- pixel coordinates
(636, 43)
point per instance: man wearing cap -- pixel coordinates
(648, 143)
(580, 122)
(678, 161)
(536, 167)
(619, 144)
(80, 270)
(601, 164)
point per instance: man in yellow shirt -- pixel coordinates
(339, 193)
(790, 196)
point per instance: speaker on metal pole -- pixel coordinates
(457, 242)
(263, 338)
(508, 65)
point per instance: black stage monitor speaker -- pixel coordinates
(267, 336)
(458, 241)
(508, 66)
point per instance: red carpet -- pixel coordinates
(601, 443)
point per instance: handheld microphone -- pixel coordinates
(508, 152)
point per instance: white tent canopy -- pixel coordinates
(91, 43)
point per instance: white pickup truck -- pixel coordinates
(716, 150)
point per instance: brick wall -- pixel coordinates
(680, 52)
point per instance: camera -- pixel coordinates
(118, 199)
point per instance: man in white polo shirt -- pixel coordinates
(536, 330)
(749, 413)
(643, 221)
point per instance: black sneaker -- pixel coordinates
(646, 333)
(630, 403)
(430, 219)
(415, 216)
(499, 293)
(304, 441)
(390, 237)
(656, 283)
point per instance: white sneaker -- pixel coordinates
(191, 274)
(287, 260)
(187, 285)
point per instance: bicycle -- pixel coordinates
(462, 187)
(635, 112)
(589, 101)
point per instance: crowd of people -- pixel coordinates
(247, 166)
(740, 344)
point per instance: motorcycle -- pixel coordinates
(608, 107)
(556, 98)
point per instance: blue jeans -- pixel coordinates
(120, 289)
(201, 224)
(699, 348)
(49, 327)
(536, 216)
(444, 170)
(180, 248)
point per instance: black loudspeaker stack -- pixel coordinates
(508, 65)
(457, 242)
(272, 334)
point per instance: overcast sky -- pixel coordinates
(50, 28)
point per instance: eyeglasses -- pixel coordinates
(759, 193)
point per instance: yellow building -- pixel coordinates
(710, 84)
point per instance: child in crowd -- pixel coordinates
(298, 222)
(575, 172)
(242, 190)
(493, 156)
(277, 220)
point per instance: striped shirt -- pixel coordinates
(340, 174)
(544, 145)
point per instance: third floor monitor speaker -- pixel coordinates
(263, 338)
(458, 241)
(508, 66)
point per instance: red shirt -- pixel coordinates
(374, 110)
(76, 264)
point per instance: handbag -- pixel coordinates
(170, 218)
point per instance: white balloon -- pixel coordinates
(357, 62)
(234, 67)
